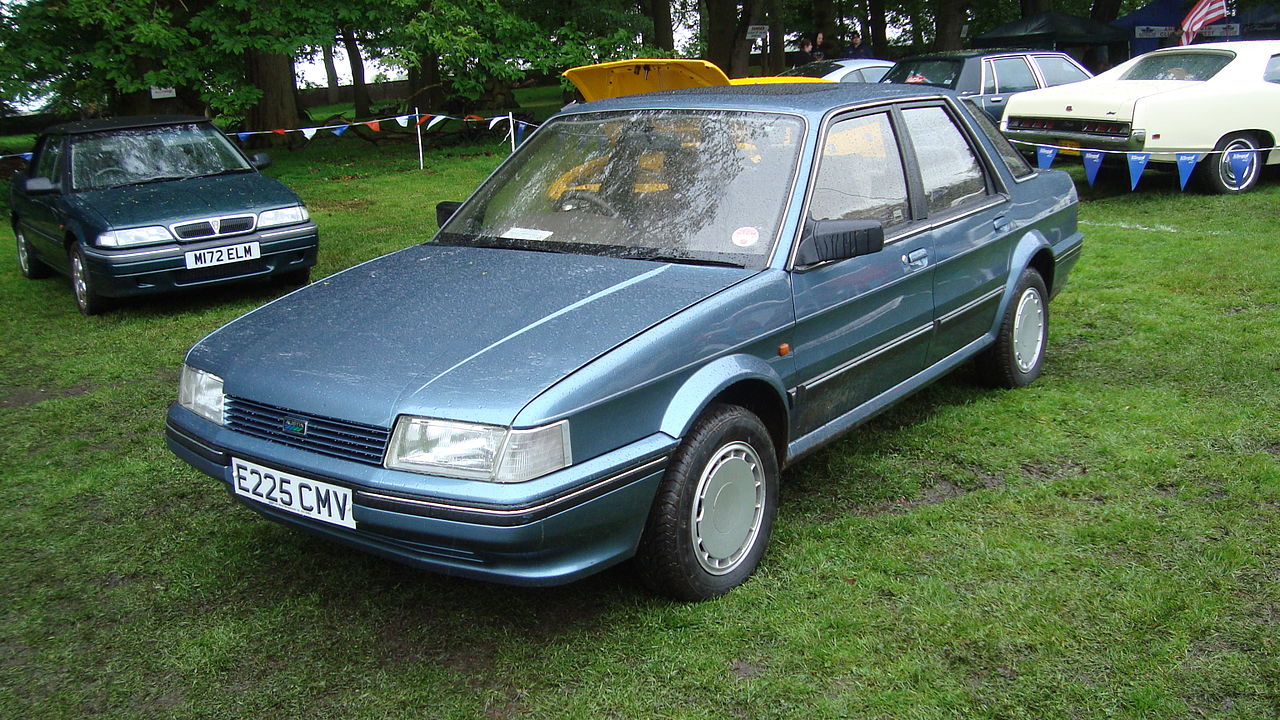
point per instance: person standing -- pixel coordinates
(856, 49)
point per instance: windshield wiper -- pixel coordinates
(679, 259)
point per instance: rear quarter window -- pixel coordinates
(1058, 70)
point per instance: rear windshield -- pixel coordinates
(942, 73)
(1179, 66)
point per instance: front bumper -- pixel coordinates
(151, 269)
(548, 531)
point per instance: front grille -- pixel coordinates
(219, 272)
(328, 436)
(214, 227)
(1091, 127)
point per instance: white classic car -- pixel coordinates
(1217, 99)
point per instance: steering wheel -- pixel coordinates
(98, 176)
(573, 199)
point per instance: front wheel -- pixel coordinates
(1017, 357)
(712, 517)
(88, 301)
(1218, 175)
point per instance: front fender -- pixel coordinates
(710, 381)
(1029, 246)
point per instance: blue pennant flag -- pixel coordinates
(519, 133)
(1186, 163)
(25, 156)
(1045, 156)
(1092, 161)
(1240, 160)
(339, 130)
(1137, 163)
(243, 136)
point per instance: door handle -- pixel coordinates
(997, 99)
(916, 259)
(1001, 223)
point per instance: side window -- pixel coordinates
(1017, 164)
(47, 162)
(1272, 73)
(852, 76)
(860, 176)
(950, 171)
(1059, 70)
(1013, 75)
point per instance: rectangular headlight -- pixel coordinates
(201, 393)
(477, 452)
(135, 236)
(283, 216)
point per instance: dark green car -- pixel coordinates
(142, 205)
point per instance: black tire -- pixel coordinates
(1017, 357)
(1215, 172)
(294, 278)
(28, 265)
(684, 553)
(88, 301)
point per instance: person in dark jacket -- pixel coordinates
(856, 49)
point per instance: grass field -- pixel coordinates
(1105, 543)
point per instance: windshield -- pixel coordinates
(1178, 66)
(943, 73)
(137, 155)
(676, 185)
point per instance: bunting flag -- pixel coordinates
(25, 156)
(1186, 163)
(1241, 162)
(243, 136)
(436, 120)
(495, 121)
(423, 118)
(473, 118)
(374, 125)
(519, 133)
(403, 120)
(1045, 156)
(340, 129)
(1137, 163)
(308, 133)
(1092, 162)
(279, 131)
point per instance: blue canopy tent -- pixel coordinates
(1147, 25)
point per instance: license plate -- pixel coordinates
(1069, 147)
(291, 493)
(223, 255)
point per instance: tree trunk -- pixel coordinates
(331, 76)
(824, 21)
(272, 73)
(877, 27)
(719, 23)
(659, 11)
(949, 15)
(360, 91)
(740, 62)
(777, 57)
(425, 89)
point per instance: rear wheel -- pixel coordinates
(1017, 357)
(88, 301)
(711, 520)
(1217, 174)
(28, 265)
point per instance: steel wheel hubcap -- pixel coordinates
(1028, 330)
(78, 281)
(728, 508)
(1228, 173)
(24, 261)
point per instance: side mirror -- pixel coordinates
(261, 161)
(827, 240)
(39, 186)
(445, 210)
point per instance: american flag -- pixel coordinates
(1205, 12)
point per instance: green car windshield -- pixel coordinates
(151, 154)
(673, 185)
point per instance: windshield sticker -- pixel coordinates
(745, 237)
(519, 233)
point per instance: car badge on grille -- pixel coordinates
(217, 228)
(294, 425)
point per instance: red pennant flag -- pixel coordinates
(424, 118)
(373, 125)
(474, 118)
(280, 131)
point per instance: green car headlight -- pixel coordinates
(477, 452)
(135, 236)
(201, 393)
(283, 216)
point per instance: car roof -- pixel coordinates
(812, 99)
(120, 123)
(977, 53)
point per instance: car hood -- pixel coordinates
(462, 333)
(1092, 99)
(171, 201)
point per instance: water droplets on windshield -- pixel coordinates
(135, 155)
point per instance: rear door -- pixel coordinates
(862, 324)
(1001, 77)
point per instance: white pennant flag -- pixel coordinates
(308, 133)
(436, 121)
(497, 120)
(403, 120)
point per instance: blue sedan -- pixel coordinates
(617, 344)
